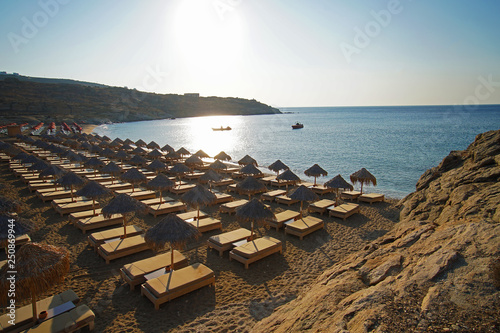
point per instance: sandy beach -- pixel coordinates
(240, 297)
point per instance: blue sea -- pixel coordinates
(396, 144)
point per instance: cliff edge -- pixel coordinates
(438, 270)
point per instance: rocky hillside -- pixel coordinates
(35, 101)
(438, 270)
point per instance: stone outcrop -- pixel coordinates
(437, 270)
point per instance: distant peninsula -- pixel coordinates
(30, 99)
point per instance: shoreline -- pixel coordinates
(88, 128)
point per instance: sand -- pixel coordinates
(240, 297)
(88, 128)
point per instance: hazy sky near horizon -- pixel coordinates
(280, 52)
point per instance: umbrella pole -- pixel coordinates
(361, 187)
(124, 227)
(71, 193)
(301, 202)
(55, 184)
(171, 257)
(198, 218)
(33, 306)
(336, 197)
(93, 205)
(251, 234)
(161, 198)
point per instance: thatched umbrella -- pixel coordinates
(21, 156)
(179, 169)
(250, 170)
(9, 206)
(217, 166)
(247, 160)
(167, 148)
(278, 166)
(138, 160)
(106, 138)
(38, 166)
(154, 154)
(117, 140)
(336, 183)
(201, 154)
(123, 204)
(95, 149)
(153, 145)
(160, 183)
(92, 190)
(171, 229)
(128, 142)
(38, 267)
(222, 156)
(302, 193)
(69, 180)
(156, 166)
(209, 177)
(172, 156)
(30, 159)
(250, 186)
(139, 151)
(127, 147)
(112, 169)
(94, 163)
(133, 176)
(121, 155)
(198, 196)
(363, 176)
(108, 152)
(255, 212)
(315, 171)
(193, 161)
(289, 177)
(53, 171)
(183, 151)
(140, 143)
(15, 226)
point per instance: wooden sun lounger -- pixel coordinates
(33, 186)
(223, 182)
(232, 188)
(73, 207)
(192, 215)
(223, 198)
(231, 207)
(280, 183)
(304, 226)
(167, 207)
(50, 189)
(70, 321)
(271, 195)
(97, 222)
(255, 250)
(97, 238)
(224, 241)
(343, 211)
(138, 193)
(156, 201)
(177, 283)
(134, 273)
(371, 197)
(66, 200)
(267, 179)
(281, 218)
(49, 196)
(74, 217)
(320, 206)
(118, 185)
(193, 176)
(181, 189)
(24, 314)
(122, 247)
(207, 224)
(285, 200)
(350, 195)
(320, 189)
(19, 241)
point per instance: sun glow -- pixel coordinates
(209, 45)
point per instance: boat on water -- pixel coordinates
(221, 128)
(297, 125)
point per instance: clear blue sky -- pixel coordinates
(280, 52)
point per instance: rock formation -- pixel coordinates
(437, 270)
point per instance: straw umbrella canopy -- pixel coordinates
(193, 161)
(209, 177)
(19, 226)
(179, 169)
(107, 138)
(247, 160)
(92, 190)
(201, 154)
(315, 171)
(254, 211)
(30, 159)
(133, 176)
(128, 142)
(363, 176)
(153, 145)
(198, 196)
(250, 186)
(183, 151)
(289, 177)
(138, 160)
(222, 156)
(121, 155)
(278, 166)
(9, 206)
(172, 156)
(167, 148)
(112, 169)
(38, 166)
(127, 146)
(140, 143)
(108, 152)
(69, 180)
(53, 171)
(250, 170)
(156, 166)
(94, 163)
(217, 166)
(302, 193)
(171, 229)
(38, 267)
(154, 154)
(336, 183)
(139, 151)
(123, 204)
(95, 149)
(21, 156)
(160, 183)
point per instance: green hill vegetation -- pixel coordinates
(68, 100)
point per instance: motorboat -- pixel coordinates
(227, 128)
(297, 125)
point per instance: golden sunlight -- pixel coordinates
(210, 141)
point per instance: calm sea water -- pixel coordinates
(396, 144)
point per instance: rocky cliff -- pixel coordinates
(438, 270)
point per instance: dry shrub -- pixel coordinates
(495, 272)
